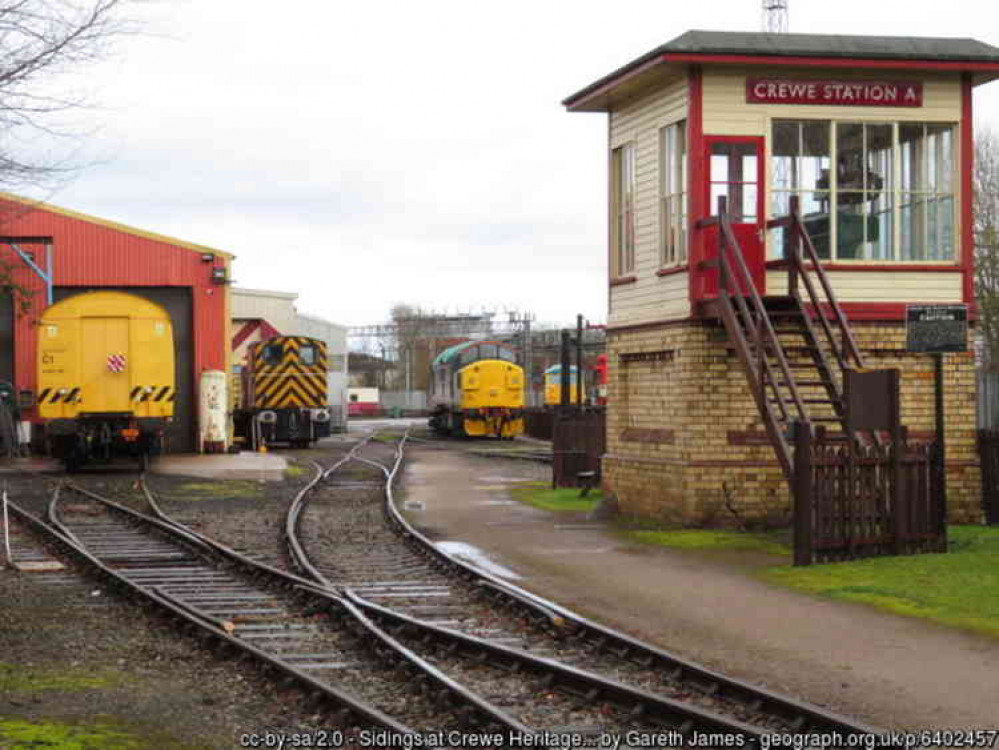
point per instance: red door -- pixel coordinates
(734, 169)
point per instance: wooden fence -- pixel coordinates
(864, 501)
(539, 423)
(578, 442)
(988, 452)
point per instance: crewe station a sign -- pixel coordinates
(843, 93)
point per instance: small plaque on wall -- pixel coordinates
(935, 329)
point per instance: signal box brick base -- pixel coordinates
(686, 445)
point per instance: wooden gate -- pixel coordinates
(855, 500)
(578, 442)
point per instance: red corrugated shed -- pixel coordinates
(93, 252)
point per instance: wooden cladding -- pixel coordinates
(661, 355)
(654, 435)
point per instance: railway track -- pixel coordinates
(348, 668)
(448, 610)
(469, 651)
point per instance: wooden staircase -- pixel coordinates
(793, 347)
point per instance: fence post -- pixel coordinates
(802, 493)
(900, 504)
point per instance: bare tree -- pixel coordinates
(40, 41)
(986, 227)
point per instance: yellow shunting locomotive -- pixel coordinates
(283, 397)
(105, 377)
(477, 390)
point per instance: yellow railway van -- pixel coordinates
(553, 385)
(105, 377)
(284, 397)
(477, 390)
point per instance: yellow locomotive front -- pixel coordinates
(492, 398)
(477, 391)
(105, 376)
(284, 392)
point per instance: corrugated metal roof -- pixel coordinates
(114, 225)
(766, 44)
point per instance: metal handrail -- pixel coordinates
(762, 329)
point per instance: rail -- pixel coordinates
(800, 268)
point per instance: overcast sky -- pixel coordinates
(368, 153)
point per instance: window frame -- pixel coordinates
(894, 180)
(674, 239)
(622, 218)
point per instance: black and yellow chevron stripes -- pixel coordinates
(288, 382)
(59, 395)
(142, 393)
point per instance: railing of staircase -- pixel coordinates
(802, 263)
(754, 336)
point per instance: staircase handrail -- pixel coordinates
(848, 352)
(763, 332)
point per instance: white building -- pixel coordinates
(258, 314)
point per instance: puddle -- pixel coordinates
(475, 556)
(506, 480)
(413, 505)
(496, 502)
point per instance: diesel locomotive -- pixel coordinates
(283, 393)
(477, 390)
(105, 377)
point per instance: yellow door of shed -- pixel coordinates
(105, 365)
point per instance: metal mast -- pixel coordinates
(775, 16)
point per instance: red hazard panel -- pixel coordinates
(116, 362)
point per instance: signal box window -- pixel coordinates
(623, 210)
(307, 355)
(272, 354)
(673, 193)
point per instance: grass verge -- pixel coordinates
(708, 539)
(540, 495)
(956, 589)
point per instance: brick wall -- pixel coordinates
(685, 443)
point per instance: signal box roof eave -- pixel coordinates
(801, 50)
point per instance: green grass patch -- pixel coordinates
(540, 495)
(957, 588)
(19, 734)
(709, 539)
(15, 679)
(229, 488)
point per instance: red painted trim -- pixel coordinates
(967, 194)
(670, 271)
(831, 62)
(887, 311)
(622, 280)
(695, 170)
(780, 263)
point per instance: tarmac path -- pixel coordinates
(887, 670)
